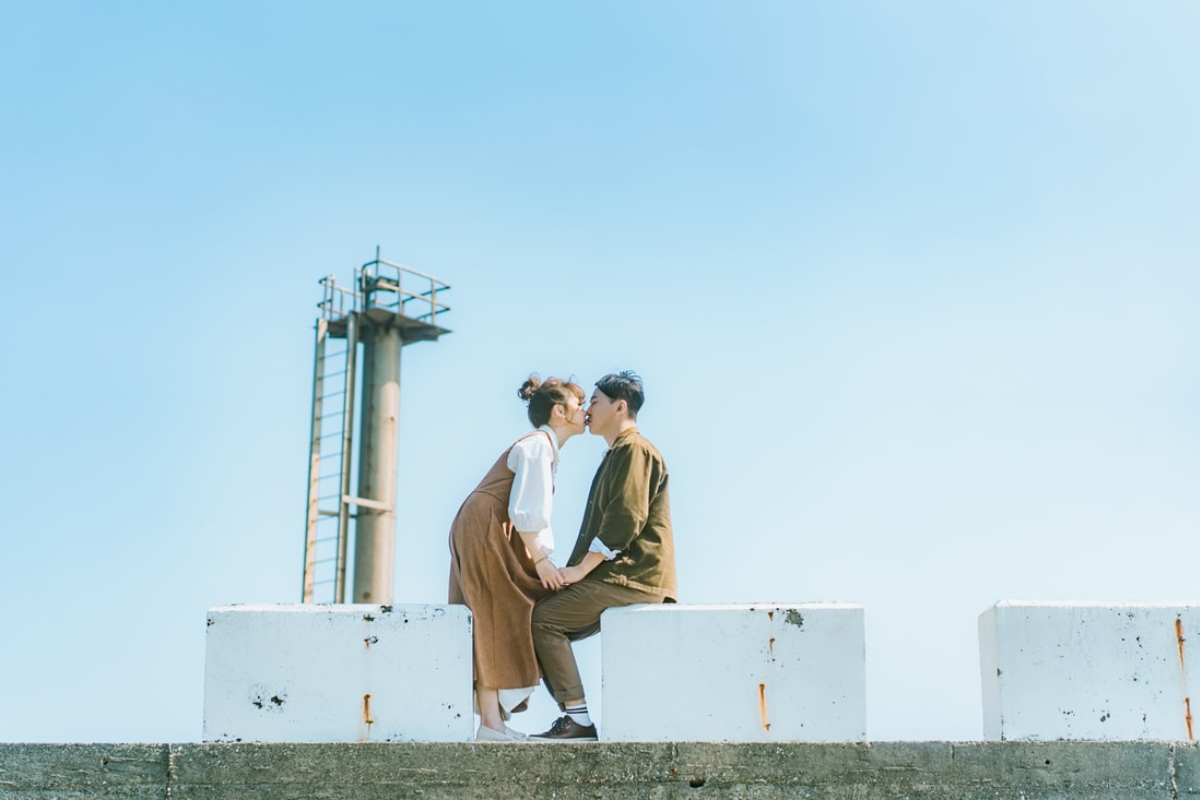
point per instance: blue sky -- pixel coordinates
(913, 288)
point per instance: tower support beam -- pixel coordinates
(375, 528)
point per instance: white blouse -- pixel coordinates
(534, 460)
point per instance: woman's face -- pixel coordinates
(574, 414)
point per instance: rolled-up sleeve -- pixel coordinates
(531, 499)
(597, 546)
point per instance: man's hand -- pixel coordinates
(549, 575)
(578, 572)
(571, 574)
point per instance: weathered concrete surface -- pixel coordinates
(787, 673)
(1187, 769)
(757, 771)
(68, 771)
(1112, 671)
(403, 673)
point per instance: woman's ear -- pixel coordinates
(559, 412)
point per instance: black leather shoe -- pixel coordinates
(566, 729)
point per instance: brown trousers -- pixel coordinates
(571, 615)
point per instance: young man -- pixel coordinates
(624, 555)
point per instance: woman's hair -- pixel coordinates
(543, 396)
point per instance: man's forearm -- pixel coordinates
(590, 562)
(580, 571)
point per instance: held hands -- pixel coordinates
(580, 571)
(549, 575)
(570, 575)
(554, 578)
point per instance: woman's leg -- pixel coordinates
(489, 707)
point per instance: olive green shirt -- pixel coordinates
(629, 511)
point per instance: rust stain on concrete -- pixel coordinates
(762, 706)
(1187, 701)
(1179, 640)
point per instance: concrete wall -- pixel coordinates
(734, 673)
(1100, 671)
(344, 673)
(914, 770)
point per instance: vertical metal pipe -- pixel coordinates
(339, 591)
(314, 463)
(375, 528)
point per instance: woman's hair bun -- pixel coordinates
(543, 395)
(529, 388)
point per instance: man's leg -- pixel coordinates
(558, 620)
(571, 615)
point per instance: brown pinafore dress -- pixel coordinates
(492, 575)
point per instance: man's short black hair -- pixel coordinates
(625, 386)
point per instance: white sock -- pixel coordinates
(578, 713)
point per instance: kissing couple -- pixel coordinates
(526, 610)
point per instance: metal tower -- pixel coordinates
(388, 307)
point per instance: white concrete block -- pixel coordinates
(1070, 670)
(338, 673)
(734, 673)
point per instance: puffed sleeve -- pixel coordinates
(531, 499)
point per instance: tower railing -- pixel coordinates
(414, 293)
(337, 302)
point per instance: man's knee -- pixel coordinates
(541, 616)
(546, 623)
(542, 632)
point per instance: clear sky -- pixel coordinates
(913, 287)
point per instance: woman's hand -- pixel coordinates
(549, 574)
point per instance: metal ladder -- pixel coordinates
(330, 444)
(382, 299)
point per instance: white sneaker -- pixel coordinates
(486, 734)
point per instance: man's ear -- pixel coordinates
(621, 407)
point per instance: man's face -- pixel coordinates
(601, 413)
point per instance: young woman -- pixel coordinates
(500, 543)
